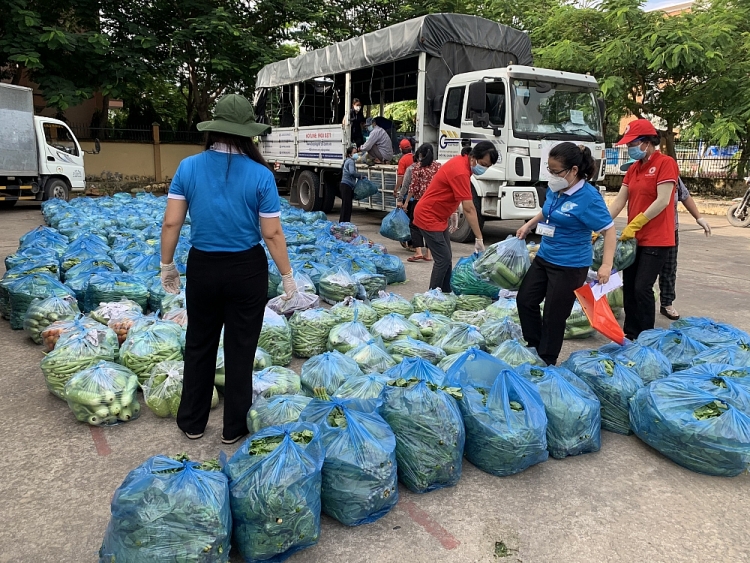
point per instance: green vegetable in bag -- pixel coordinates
(411, 348)
(515, 354)
(163, 389)
(460, 337)
(350, 307)
(393, 327)
(275, 380)
(42, 313)
(149, 342)
(472, 302)
(387, 303)
(276, 337)
(372, 356)
(337, 285)
(310, 331)
(345, 336)
(103, 394)
(272, 411)
(428, 323)
(504, 263)
(497, 331)
(475, 318)
(76, 353)
(327, 371)
(434, 301)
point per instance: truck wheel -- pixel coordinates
(308, 184)
(464, 233)
(742, 221)
(8, 204)
(329, 198)
(56, 189)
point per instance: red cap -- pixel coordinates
(637, 128)
(404, 144)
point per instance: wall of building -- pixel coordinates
(134, 160)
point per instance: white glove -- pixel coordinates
(706, 227)
(170, 278)
(290, 286)
(453, 223)
(478, 246)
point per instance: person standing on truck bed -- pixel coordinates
(356, 119)
(378, 147)
(450, 188)
(233, 202)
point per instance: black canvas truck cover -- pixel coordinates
(454, 43)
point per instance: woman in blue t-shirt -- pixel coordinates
(233, 202)
(573, 209)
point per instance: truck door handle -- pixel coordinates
(51, 159)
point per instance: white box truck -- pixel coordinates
(40, 157)
(472, 80)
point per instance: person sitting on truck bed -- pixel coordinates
(450, 188)
(378, 146)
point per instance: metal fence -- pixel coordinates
(144, 134)
(696, 159)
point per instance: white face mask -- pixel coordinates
(557, 184)
(357, 108)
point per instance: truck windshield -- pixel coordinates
(554, 111)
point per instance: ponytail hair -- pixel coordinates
(570, 155)
(425, 155)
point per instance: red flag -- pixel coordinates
(600, 314)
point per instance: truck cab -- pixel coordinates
(524, 111)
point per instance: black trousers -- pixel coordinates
(417, 240)
(223, 289)
(638, 289)
(555, 286)
(439, 243)
(668, 275)
(347, 196)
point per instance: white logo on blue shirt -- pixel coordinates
(568, 206)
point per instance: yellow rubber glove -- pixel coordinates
(634, 226)
(594, 236)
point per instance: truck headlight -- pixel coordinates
(525, 200)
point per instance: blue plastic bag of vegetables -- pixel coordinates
(391, 267)
(395, 226)
(109, 287)
(170, 509)
(573, 410)
(274, 489)
(368, 386)
(22, 291)
(735, 355)
(613, 383)
(648, 363)
(504, 263)
(416, 368)
(275, 410)
(506, 425)
(699, 430)
(364, 188)
(429, 433)
(359, 473)
(328, 370)
(709, 332)
(474, 367)
(677, 346)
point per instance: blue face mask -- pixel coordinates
(636, 153)
(355, 156)
(478, 169)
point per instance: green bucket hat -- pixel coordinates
(234, 115)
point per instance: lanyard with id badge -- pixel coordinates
(545, 229)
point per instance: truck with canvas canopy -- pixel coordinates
(470, 79)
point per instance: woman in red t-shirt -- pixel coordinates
(422, 171)
(648, 191)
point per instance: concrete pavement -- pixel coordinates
(626, 503)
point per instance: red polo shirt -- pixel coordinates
(641, 179)
(450, 186)
(404, 162)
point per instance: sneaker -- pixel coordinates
(194, 436)
(670, 312)
(232, 440)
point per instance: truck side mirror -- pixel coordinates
(477, 97)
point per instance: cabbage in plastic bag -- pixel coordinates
(711, 333)
(459, 337)
(345, 336)
(428, 323)
(497, 331)
(43, 312)
(276, 337)
(506, 425)
(573, 410)
(613, 383)
(328, 371)
(169, 509)
(504, 263)
(310, 331)
(359, 473)
(149, 342)
(435, 301)
(368, 386)
(272, 411)
(394, 326)
(103, 394)
(429, 433)
(697, 429)
(275, 380)
(515, 353)
(387, 303)
(372, 356)
(274, 486)
(350, 307)
(464, 280)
